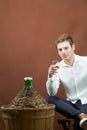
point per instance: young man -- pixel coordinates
(71, 71)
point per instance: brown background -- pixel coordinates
(28, 29)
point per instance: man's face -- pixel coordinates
(65, 50)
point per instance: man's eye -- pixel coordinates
(60, 49)
(66, 48)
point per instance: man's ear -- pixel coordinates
(73, 46)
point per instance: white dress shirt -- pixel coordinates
(73, 78)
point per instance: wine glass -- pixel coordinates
(54, 62)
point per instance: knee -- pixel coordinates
(51, 99)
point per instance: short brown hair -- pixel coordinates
(64, 37)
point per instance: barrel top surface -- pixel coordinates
(49, 107)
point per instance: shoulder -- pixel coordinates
(82, 58)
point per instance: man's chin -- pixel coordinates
(65, 58)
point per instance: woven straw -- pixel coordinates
(28, 98)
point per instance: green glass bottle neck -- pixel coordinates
(28, 83)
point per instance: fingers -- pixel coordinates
(52, 70)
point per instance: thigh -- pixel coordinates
(64, 107)
(60, 102)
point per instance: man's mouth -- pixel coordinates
(65, 56)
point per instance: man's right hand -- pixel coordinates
(52, 70)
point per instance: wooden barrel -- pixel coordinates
(29, 118)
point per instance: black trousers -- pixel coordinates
(68, 109)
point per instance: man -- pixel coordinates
(71, 71)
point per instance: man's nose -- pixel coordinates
(63, 51)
